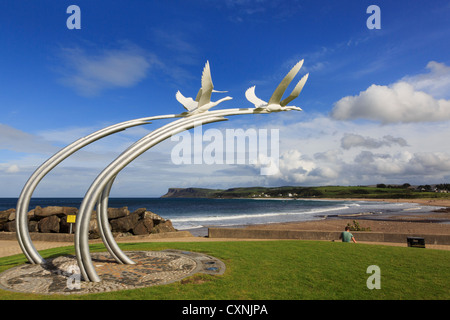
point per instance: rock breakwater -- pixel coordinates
(53, 219)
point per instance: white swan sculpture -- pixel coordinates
(203, 101)
(275, 103)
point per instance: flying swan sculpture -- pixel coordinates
(275, 103)
(203, 101)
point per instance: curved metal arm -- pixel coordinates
(105, 231)
(102, 214)
(97, 187)
(23, 235)
(100, 183)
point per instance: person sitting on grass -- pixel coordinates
(346, 236)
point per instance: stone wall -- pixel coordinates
(242, 233)
(53, 219)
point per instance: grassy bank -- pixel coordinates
(309, 192)
(287, 270)
(376, 193)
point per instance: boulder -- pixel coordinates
(54, 210)
(164, 226)
(152, 216)
(64, 226)
(4, 215)
(124, 224)
(33, 226)
(70, 211)
(31, 216)
(114, 213)
(12, 215)
(144, 226)
(10, 226)
(49, 224)
(94, 232)
(140, 211)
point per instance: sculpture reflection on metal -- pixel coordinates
(197, 114)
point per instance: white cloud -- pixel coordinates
(364, 168)
(431, 162)
(323, 151)
(412, 99)
(329, 155)
(419, 166)
(435, 83)
(13, 169)
(89, 74)
(294, 166)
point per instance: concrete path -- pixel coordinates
(11, 247)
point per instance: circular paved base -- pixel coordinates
(61, 275)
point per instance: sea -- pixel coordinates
(196, 215)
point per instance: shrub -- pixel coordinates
(357, 227)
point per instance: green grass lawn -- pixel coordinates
(286, 270)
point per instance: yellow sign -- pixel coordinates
(71, 218)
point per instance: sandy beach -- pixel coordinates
(434, 222)
(424, 201)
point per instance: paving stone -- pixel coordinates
(61, 275)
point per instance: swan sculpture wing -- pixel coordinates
(188, 103)
(199, 94)
(251, 96)
(204, 93)
(279, 91)
(207, 86)
(295, 93)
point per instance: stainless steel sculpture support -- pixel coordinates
(104, 179)
(103, 226)
(94, 192)
(23, 235)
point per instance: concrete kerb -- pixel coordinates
(364, 236)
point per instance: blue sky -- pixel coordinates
(376, 107)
